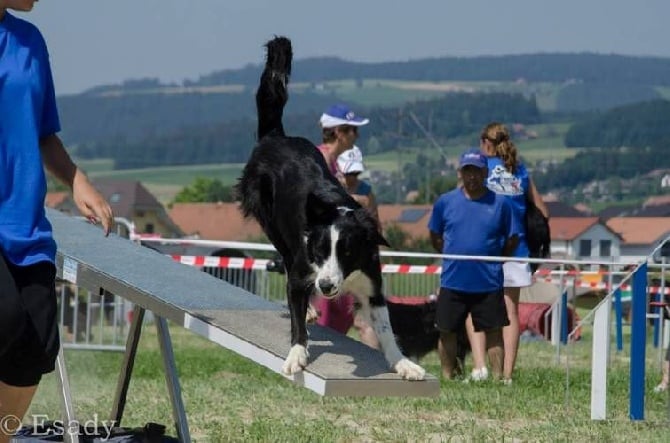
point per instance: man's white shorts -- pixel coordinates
(517, 274)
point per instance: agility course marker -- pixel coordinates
(601, 339)
(638, 343)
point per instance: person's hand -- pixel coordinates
(91, 203)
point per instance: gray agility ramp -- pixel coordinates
(237, 320)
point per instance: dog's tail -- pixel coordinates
(272, 93)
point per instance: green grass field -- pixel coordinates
(163, 182)
(229, 398)
(173, 175)
(664, 91)
(548, 146)
(383, 92)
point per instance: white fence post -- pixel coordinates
(601, 340)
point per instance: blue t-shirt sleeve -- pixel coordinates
(436, 222)
(49, 122)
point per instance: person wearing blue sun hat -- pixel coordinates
(339, 131)
(339, 125)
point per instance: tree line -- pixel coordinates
(141, 108)
(623, 143)
(605, 163)
(637, 125)
(587, 67)
(231, 142)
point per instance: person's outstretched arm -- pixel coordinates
(89, 201)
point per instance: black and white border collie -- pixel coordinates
(329, 243)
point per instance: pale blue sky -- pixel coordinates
(95, 42)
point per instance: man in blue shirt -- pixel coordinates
(474, 221)
(29, 122)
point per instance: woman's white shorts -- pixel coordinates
(517, 274)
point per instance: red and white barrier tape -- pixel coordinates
(411, 269)
(222, 262)
(261, 264)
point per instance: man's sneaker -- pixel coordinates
(662, 387)
(482, 375)
(507, 381)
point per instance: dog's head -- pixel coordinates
(345, 250)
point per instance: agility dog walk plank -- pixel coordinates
(232, 317)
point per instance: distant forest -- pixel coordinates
(625, 142)
(141, 108)
(231, 142)
(554, 68)
(637, 125)
(615, 101)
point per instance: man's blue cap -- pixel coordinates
(473, 157)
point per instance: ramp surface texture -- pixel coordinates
(236, 319)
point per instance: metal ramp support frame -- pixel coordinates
(169, 366)
(236, 319)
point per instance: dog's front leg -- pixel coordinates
(379, 319)
(298, 299)
(373, 310)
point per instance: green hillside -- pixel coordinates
(168, 135)
(166, 181)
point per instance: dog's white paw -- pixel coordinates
(409, 370)
(296, 360)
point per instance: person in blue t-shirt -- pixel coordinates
(472, 220)
(509, 177)
(29, 122)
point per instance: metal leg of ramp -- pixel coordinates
(66, 400)
(172, 380)
(171, 376)
(128, 362)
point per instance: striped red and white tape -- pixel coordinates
(261, 264)
(222, 262)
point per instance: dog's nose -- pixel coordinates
(326, 286)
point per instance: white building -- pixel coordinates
(640, 235)
(583, 238)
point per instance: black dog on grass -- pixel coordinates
(413, 323)
(329, 243)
